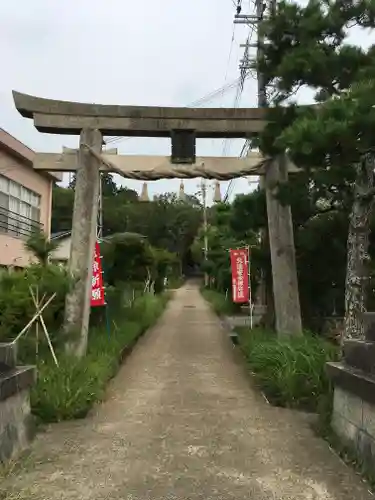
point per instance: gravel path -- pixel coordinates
(181, 421)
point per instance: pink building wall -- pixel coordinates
(16, 164)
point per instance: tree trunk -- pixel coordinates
(357, 272)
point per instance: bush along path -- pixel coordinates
(180, 422)
(70, 390)
(290, 371)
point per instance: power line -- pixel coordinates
(202, 100)
(244, 71)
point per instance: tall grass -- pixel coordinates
(219, 303)
(70, 390)
(291, 370)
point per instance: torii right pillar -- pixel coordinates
(283, 255)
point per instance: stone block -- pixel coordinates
(369, 325)
(16, 425)
(348, 406)
(345, 430)
(14, 409)
(8, 354)
(16, 380)
(353, 416)
(352, 380)
(360, 354)
(366, 448)
(368, 418)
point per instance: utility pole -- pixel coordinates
(253, 22)
(205, 244)
(280, 226)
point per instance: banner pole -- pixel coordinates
(107, 315)
(249, 287)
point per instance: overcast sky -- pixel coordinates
(139, 52)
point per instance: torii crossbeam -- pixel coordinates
(147, 167)
(65, 117)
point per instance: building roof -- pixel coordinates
(16, 148)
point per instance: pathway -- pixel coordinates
(181, 421)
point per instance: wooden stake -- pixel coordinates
(45, 329)
(34, 318)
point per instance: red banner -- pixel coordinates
(97, 286)
(239, 260)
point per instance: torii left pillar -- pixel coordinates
(77, 304)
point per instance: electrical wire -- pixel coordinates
(202, 100)
(207, 98)
(245, 71)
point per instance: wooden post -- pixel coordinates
(77, 304)
(281, 240)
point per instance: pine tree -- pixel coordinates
(333, 141)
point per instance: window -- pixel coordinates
(19, 208)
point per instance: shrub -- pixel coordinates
(69, 391)
(291, 371)
(16, 304)
(219, 303)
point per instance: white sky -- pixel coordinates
(139, 52)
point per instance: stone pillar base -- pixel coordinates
(16, 422)
(353, 416)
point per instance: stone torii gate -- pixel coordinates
(183, 126)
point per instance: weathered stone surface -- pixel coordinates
(346, 430)
(369, 325)
(8, 354)
(360, 354)
(283, 258)
(353, 380)
(15, 419)
(147, 165)
(147, 127)
(368, 418)
(366, 448)
(348, 406)
(353, 420)
(16, 425)
(77, 302)
(27, 105)
(63, 117)
(15, 380)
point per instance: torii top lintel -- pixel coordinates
(65, 117)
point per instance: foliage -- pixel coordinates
(222, 234)
(220, 304)
(69, 391)
(16, 303)
(167, 222)
(129, 258)
(126, 257)
(321, 265)
(320, 239)
(164, 267)
(40, 246)
(308, 46)
(291, 371)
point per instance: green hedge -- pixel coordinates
(70, 390)
(291, 371)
